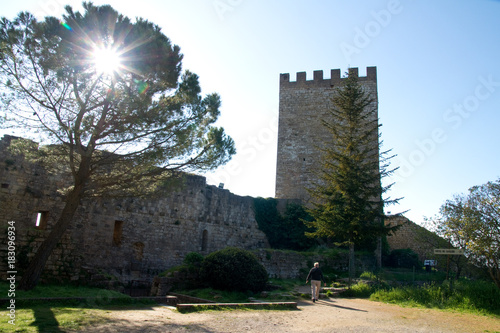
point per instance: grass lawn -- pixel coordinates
(41, 318)
(56, 316)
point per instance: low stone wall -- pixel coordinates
(255, 305)
(292, 265)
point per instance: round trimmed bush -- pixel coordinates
(234, 269)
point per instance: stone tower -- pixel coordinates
(302, 105)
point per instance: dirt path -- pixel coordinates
(330, 315)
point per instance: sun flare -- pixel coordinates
(106, 60)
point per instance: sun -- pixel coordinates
(106, 60)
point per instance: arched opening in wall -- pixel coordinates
(138, 250)
(117, 233)
(204, 241)
(42, 218)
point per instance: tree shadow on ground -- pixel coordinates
(45, 320)
(72, 316)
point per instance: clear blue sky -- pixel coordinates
(438, 66)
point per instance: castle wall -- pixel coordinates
(129, 238)
(303, 105)
(412, 236)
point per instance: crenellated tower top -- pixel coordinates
(318, 80)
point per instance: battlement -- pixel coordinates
(335, 77)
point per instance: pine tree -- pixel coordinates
(108, 98)
(347, 204)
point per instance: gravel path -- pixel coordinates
(326, 315)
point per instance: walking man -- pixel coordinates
(316, 276)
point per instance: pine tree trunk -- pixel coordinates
(495, 275)
(33, 272)
(378, 253)
(352, 259)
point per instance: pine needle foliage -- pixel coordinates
(347, 204)
(122, 130)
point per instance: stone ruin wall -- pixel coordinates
(411, 236)
(291, 265)
(155, 234)
(131, 239)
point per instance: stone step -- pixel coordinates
(257, 305)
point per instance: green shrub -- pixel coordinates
(234, 269)
(361, 290)
(368, 276)
(193, 259)
(464, 295)
(283, 231)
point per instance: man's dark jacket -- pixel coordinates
(315, 274)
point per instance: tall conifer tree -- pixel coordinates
(347, 203)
